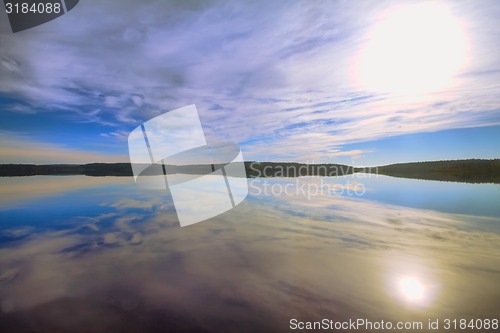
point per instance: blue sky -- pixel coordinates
(306, 81)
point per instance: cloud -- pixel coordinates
(277, 71)
(24, 149)
(353, 153)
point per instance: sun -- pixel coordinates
(414, 49)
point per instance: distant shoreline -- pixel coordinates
(469, 171)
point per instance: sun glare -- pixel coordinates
(412, 289)
(415, 49)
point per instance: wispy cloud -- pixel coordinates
(24, 149)
(276, 77)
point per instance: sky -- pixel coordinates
(353, 82)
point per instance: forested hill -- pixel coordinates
(469, 171)
(92, 169)
(253, 169)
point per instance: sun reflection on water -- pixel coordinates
(412, 289)
(412, 281)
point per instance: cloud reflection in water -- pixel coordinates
(125, 263)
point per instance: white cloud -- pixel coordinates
(276, 71)
(22, 149)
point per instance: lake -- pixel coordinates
(99, 254)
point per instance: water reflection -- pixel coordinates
(108, 256)
(412, 289)
(412, 281)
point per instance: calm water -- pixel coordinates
(85, 254)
